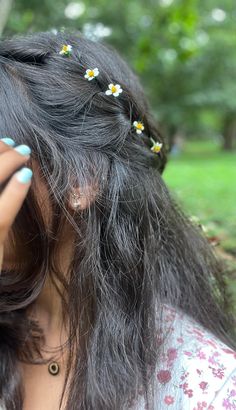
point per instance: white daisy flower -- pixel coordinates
(66, 50)
(114, 90)
(91, 74)
(156, 147)
(139, 126)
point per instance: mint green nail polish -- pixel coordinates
(23, 149)
(24, 175)
(8, 141)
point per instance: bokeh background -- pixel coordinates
(185, 54)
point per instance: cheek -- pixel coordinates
(13, 253)
(40, 190)
(9, 252)
(44, 203)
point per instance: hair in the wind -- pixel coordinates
(135, 250)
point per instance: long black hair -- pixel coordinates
(135, 250)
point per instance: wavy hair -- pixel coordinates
(135, 250)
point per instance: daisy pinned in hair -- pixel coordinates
(139, 126)
(114, 90)
(91, 74)
(156, 146)
(66, 50)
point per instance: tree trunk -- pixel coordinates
(5, 9)
(229, 132)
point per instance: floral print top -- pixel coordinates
(197, 371)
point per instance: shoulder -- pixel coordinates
(196, 371)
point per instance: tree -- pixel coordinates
(5, 7)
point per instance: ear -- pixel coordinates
(79, 200)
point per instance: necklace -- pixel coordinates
(53, 368)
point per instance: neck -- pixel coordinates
(47, 308)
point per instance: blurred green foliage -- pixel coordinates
(183, 50)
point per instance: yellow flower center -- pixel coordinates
(139, 126)
(156, 148)
(113, 89)
(91, 73)
(65, 48)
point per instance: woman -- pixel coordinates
(109, 297)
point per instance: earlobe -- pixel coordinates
(81, 200)
(75, 200)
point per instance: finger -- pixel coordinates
(12, 199)
(6, 144)
(13, 159)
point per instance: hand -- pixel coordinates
(16, 189)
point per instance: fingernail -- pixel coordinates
(24, 175)
(8, 141)
(23, 149)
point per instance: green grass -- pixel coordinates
(203, 180)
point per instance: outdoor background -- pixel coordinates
(185, 54)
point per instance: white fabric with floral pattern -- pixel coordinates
(197, 370)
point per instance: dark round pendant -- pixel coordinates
(53, 368)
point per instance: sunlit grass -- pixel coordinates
(203, 179)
